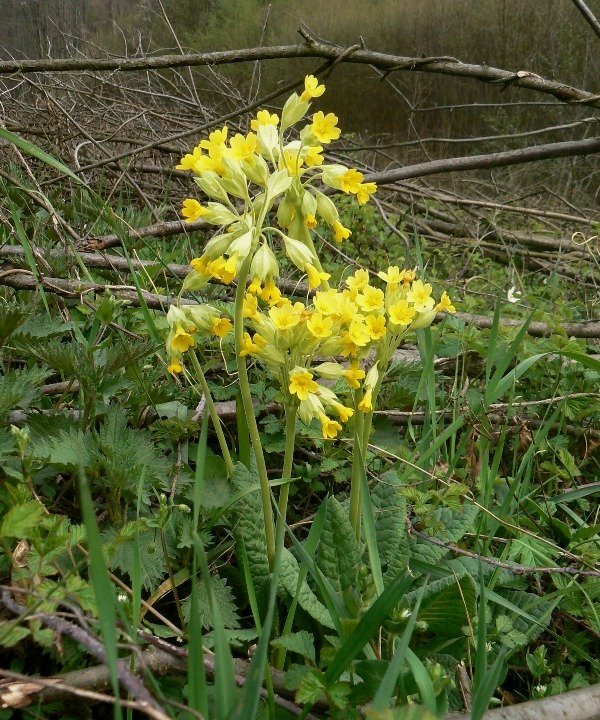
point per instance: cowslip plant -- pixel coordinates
(263, 195)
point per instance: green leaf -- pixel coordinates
(311, 687)
(389, 507)
(367, 627)
(31, 149)
(19, 520)
(250, 526)
(301, 643)
(447, 605)
(19, 388)
(338, 554)
(222, 597)
(308, 601)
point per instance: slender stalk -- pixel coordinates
(288, 460)
(357, 458)
(213, 413)
(246, 395)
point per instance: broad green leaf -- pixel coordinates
(308, 601)
(301, 642)
(338, 556)
(250, 526)
(447, 605)
(389, 508)
(21, 519)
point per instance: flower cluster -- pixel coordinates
(244, 177)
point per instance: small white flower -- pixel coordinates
(122, 597)
(513, 295)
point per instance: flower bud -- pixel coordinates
(264, 263)
(211, 184)
(326, 208)
(293, 110)
(298, 253)
(278, 183)
(220, 215)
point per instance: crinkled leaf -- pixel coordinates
(390, 519)
(308, 601)
(338, 555)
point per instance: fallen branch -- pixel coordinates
(312, 48)
(25, 280)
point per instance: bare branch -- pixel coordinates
(384, 61)
(491, 160)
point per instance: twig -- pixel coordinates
(23, 280)
(516, 569)
(146, 702)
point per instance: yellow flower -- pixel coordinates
(319, 326)
(312, 88)
(221, 326)
(445, 304)
(217, 138)
(315, 277)
(359, 281)
(346, 308)
(254, 286)
(192, 210)
(393, 277)
(325, 301)
(271, 293)
(344, 412)
(353, 374)
(348, 346)
(364, 192)
(340, 232)
(222, 269)
(401, 313)
(313, 156)
(329, 427)
(292, 161)
(376, 326)
(175, 366)
(407, 277)
(359, 332)
(420, 296)
(264, 117)
(366, 404)
(200, 264)
(311, 221)
(189, 160)
(302, 383)
(250, 306)
(370, 299)
(324, 127)
(249, 346)
(285, 317)
(242, 148)
(181, 340)
(351, 180)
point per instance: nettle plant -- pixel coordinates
(262, 190)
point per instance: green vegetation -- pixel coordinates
(436, 550)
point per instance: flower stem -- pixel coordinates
(354, 512)
(288, 460)
(213, 413)
(246, 395)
